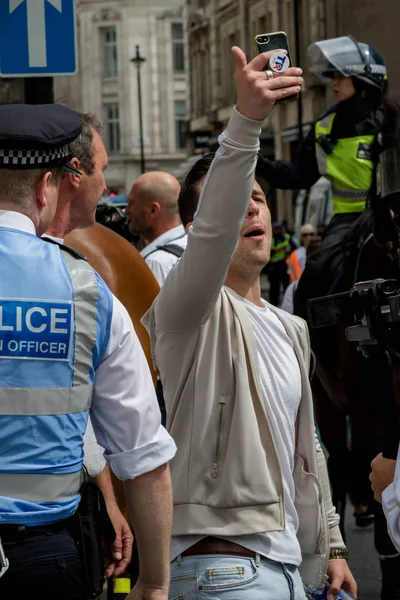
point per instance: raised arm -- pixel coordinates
(192, 287)
(300, 173)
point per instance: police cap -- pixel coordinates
(37, 136)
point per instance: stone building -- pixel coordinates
(108, 32)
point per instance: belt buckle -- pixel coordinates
(4, 562)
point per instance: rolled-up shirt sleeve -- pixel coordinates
(125, 413)
(391, 506)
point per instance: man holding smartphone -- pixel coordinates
(251, 492)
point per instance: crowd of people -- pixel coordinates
(245, 508)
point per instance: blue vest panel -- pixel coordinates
(41, 343)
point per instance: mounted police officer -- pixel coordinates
(338, 146)
(277, 272)
(67, 348)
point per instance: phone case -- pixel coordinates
(265, 42)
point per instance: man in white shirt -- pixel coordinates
(251, 492)
(153, 214)
(385, 480)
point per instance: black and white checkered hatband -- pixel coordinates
(33, 159)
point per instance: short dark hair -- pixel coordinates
(190, 190)
(17, 185)
(82, 147)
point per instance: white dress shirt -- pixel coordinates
(391, 506)
(160, 261)
(124, 412)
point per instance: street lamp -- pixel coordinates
(138, 60)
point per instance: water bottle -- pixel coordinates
(315, 593)
(322, 593)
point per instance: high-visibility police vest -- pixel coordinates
(295, 265)
(349, 167)
(55, 318)
(279, 248)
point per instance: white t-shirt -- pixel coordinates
(280, 382)
(161, 261)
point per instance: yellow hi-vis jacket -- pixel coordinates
(348, 168)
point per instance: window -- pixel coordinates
(178, 48)
(180, 124)
(109, 50)
(113, 136)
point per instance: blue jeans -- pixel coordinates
(220, 577)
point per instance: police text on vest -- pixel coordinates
(35, 329)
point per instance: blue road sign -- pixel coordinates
(37, 38)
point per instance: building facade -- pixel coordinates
(107, 83)
(214, 26)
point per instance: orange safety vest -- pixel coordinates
(294, 267)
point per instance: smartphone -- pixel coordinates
(275, 41)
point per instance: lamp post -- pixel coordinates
(138, 60)
(296, 15)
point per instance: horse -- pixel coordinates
(130, 280)
(345, 382)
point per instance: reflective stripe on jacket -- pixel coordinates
(295, 264)
(348, 167)
(280, 249)
(55, 317)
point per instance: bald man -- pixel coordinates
(153, 213)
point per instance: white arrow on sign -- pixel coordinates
(36, 28)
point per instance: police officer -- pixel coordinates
(67, 348)
(339, 145)
(277, 271)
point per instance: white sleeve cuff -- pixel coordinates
(389, 499)
(144, 459)
(243, 130)
(392, 513)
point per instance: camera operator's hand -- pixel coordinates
(382, 475)
(256, 94)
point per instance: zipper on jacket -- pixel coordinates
(214, 472)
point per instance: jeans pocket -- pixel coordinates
(183, 586)
(226, 573)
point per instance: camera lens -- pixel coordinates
(388, 287)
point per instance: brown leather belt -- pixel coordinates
(212, 545)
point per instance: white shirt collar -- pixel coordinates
(52, 237)
(16, 220)
(165, 238)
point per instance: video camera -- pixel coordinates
(372, 307)
(371, 312)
